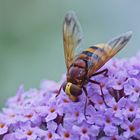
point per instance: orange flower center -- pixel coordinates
(76, 114)
(136, 90)
(52, 110)
(2, 125)
(29, 116)
(132, 128)
(108, 120)
(84, 130)
(118, 82)
(29, 133)
(50, 135)
(65, 101)
(66, 135)
(113, 138)
(115, 108)
(131, 109)
(100, 102)
(12, 115)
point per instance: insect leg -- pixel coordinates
(85, 91)
(105, 71)
(87, 99)
(102, 95)
(59, 91)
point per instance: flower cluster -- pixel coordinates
(41, 115)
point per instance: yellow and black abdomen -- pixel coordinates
(96, 56)
(94, 53)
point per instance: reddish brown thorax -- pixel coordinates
(77, 72)
(75, 79)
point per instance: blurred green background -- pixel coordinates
(31, 45)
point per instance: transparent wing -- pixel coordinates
(101, 53)
(72, 36)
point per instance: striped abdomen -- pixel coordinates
(96, 57)
(95, 54)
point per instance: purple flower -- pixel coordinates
(130, 109)
(117, 80)
(75, 113)
(86, 131)
(39, 114)
(98, 101)
(18, 99)
(10, 115)
(10, 136)
(29, 114)
(116, 137)
(53, 109)
(66, 133)
(117, 107)
(3, 125)
(50, 86)
(25, 131)
(110, 130)
(50, 135)
(132, 89)
(132, 128)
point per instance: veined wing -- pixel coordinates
(101, 53)
(72, 36)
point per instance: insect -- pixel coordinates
(81, 67)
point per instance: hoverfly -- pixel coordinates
(81, 67)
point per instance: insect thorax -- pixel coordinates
(77, 72)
